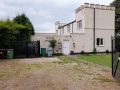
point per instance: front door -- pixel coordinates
(66, 50)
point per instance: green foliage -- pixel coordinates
(24, 20)
(53, 44)
(6, 33)
(11, 32)
(116, 4)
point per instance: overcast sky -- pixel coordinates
(44, 13)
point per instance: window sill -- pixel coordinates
(100, 45)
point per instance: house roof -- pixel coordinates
(66, 24)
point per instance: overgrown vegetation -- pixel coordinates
(12, 31)
(116, 4)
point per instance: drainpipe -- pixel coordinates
(72, 27)
(60, 31)
(94, 29)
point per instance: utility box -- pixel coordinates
(9, 53)
(50, 52)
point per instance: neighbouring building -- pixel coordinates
(92, 29)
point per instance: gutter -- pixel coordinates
(67, 24)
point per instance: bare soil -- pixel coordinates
(40, 74)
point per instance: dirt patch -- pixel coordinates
(39, 60)
(59, 76)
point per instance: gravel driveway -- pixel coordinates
(51, 74)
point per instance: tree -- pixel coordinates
(24, 20)
(53, 44)
(11, 32)
(116, 4)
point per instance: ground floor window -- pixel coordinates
(100, 42)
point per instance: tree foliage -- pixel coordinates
(53, 44)
(24, 20)
(116, 4)
(11, 31)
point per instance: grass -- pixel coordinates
(102, 59)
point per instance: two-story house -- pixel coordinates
(92, 29)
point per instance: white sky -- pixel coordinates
(44, 13)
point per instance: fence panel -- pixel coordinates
(23, 49)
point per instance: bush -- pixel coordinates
(11, 32)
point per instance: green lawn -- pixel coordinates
(103, 59)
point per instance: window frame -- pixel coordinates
(100, 41)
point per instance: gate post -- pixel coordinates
(112, 52)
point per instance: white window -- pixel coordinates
(68, 28)
(79, 25)
(100, 42)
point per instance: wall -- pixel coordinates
(43, 37)
(104, 26)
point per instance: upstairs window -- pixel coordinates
(79, 25)
(100, 41)
(68, 28)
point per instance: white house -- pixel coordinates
(92, 28)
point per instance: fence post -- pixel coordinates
(38, 45)
(27, 49)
